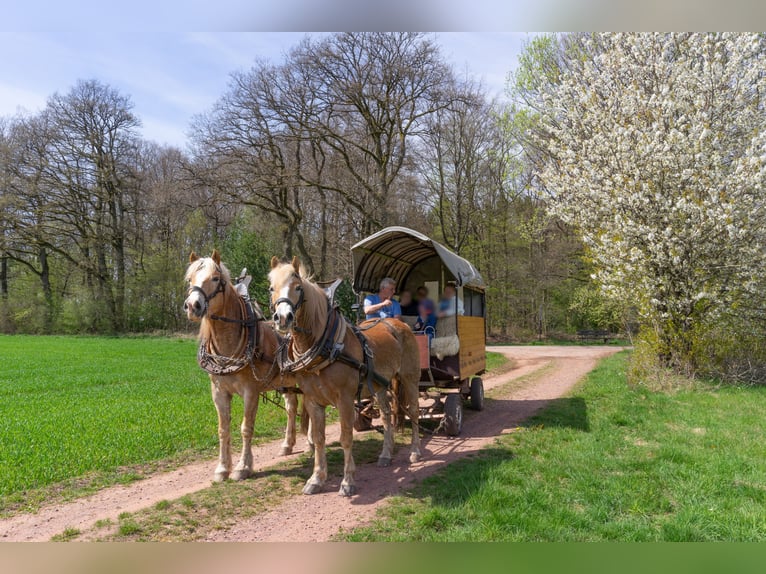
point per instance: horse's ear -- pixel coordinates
(296, 264)
(216, 257)
(274, 261)
(193, 257)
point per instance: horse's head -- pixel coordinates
(207, 279)
(287, 292)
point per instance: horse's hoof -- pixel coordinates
(241, 474)
(220, 476)
(414, 457)
(384, 462)
(347, 490)
(286, 450)
(312, 488)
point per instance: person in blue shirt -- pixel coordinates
(381, 305)
(426, 318)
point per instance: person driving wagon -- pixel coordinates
(381, 305)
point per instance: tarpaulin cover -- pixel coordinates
(395, 251)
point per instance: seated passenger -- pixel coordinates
(408, 305)
(422, 293)
(426, 317)
(380, 305)
(450, 304)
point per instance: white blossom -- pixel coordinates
(656, 152)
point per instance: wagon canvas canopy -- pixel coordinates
(395, 251)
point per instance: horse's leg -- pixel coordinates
(291, 406)
(412, 395)
(384, 403)
(222, 401)
(310, 438)
(317, 417)
(244, 467)
(346, 413)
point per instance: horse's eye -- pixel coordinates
(271, 289)
(299, 287)
(216, 279)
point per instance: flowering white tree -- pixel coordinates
(654, 148)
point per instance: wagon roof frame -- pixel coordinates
(395, 251)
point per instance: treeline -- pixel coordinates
(346, 135)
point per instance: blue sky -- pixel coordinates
(171, 76)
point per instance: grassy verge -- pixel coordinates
(609, 462)
(497, 363)
(80, 413)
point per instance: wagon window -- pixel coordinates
(473, 302)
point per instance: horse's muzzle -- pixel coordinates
(284, 322)
(194, 309)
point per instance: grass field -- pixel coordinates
(77, 413)
(609, 462)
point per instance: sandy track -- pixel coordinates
(319, 517)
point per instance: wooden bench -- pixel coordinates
(593, 335)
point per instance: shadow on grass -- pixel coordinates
(464, 475)
(567, 412)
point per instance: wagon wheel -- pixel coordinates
(477, 394)
(453, 414)
(363, 416)
(362, 422)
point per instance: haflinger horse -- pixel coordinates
(239, 350)
(321, 341)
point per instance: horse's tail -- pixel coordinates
(304, 418)
(397, 409)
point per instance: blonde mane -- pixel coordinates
(204, 262)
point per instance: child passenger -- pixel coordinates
(426, 317)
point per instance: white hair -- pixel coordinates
(387, 282)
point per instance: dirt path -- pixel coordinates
(319, 517)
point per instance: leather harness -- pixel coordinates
(330, 348)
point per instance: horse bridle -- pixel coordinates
(207, 298)
(287, 301)
(293, 308)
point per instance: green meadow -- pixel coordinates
(78, 413)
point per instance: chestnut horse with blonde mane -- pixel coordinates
(214, 302)
(302, 310)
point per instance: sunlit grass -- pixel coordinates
(81, 412)
(609, 462)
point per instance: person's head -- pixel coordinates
(387, 288)
(422, 292)
(426, 307)
(449, 291)
(405, 297)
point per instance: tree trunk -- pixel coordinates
(4, 277)
(45, 281)
(323, 231)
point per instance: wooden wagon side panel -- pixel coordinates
(472, 355)
(425, 357)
